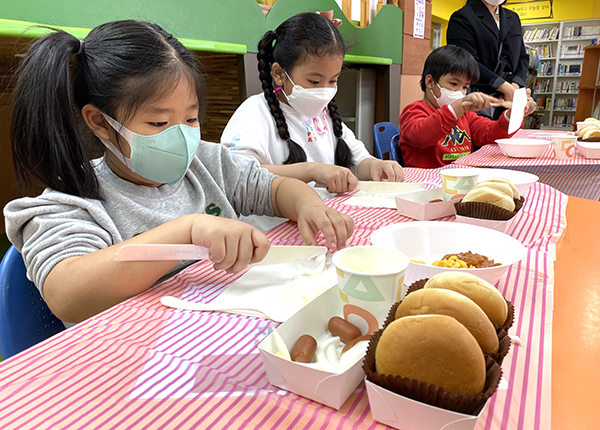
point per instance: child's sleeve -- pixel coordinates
(246, 184)
(55, 226)
(422, 126)
(485, 131)
(250, 131)
(357, 147)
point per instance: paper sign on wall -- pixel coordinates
(530, 9)
(419, 22)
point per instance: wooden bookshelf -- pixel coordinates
(589, 88)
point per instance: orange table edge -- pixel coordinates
(576, 322)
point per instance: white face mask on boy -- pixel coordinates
(494, 2)
(309, 102)
(446, 96)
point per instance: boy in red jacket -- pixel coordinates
(443, 126)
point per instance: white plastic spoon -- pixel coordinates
(175, 303)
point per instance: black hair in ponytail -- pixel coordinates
(117, 67)
(293, 41)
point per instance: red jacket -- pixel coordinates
(431, 138)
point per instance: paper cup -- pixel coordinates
(370, 278)
(564, 147)
(458, 181)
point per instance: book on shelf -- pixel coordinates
(562, 121)
(567, 86)
(569, 103)
(543, 102)
(544, 51)
(569, 69)
(545, 68)
(581, 31)
(572, 50)
(541, 34)
(542, 86)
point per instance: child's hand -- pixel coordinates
(531, 105)
(386, 169)
(337, 179)
(233, 244)
(476, 101)
(335, 226)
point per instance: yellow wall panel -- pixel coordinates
(563, 10)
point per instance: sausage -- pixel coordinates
(353, 342)
(340, 327)
(304, 349)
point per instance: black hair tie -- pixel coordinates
(80, 47)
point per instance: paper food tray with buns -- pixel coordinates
(589, 149)
(403, 413)
(501, 226)
(331, 389)
(417, 205)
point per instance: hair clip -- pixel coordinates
(80, 47)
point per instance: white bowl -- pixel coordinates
(521, 180)
(589, 149)
(522, 148)
(430, 240)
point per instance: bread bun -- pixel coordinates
(516, 194)
(586, 128)
(595, 132)
(435, 349)
(497, 185)
(481, 292)
(490, 195)
(455, 305)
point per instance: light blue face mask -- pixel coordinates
(163, 157)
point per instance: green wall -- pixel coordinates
(382, 38)
(229, 21)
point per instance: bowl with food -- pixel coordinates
(523, 147)
(434, 247)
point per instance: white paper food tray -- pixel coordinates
(501, 226)
(589, 149)
(416, 205)
(331, 389)
(403, 413)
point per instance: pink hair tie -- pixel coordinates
(329, 15)
(278, 90)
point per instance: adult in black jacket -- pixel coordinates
(493, 35)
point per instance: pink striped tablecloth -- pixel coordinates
(140, 365)
(578, 177)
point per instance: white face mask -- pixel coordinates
(446, 96)
(309, 102)
(494, 2)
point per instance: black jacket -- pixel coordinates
(473, 28)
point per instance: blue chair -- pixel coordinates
(396, 149)
(24, 317)
(382, 137)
